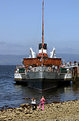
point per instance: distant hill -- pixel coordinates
(69, 57)
(17, 59)
(11, 59)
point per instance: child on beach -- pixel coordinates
(42, 103)
(33, 102)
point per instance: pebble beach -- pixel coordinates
(64, 111)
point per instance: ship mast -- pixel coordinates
(42, 28)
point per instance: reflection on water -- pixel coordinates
(65, 93)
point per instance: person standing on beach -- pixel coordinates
(33, 102)
(42, 103)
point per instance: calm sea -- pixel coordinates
(12, 95)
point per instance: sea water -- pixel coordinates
(12, 95)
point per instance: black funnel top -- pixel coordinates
(44, 46)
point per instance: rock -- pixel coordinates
(27, 98)
(57, 106)
(66, 111)
(3, 117)
(17, 112)
(9, 118)
(25, 105)
(19, 109)
(9, 109)
(29, 115)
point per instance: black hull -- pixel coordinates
(42, 84)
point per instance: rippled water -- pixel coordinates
(13, 95)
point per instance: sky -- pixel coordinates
(21, 23)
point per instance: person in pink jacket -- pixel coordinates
(42, 103)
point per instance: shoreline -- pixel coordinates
(56, 111)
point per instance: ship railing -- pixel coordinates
(42, 70)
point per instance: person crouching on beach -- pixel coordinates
(33, 102)
(42, 103)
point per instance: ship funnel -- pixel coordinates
(44, 49)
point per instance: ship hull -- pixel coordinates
(43, 80)
(42, 84)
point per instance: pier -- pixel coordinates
(75, 72)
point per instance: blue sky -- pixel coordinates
(20, 26)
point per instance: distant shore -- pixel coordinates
(65, 111)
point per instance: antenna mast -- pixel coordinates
(42, 28)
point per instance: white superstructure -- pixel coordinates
(53, 54)
(32, 53)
